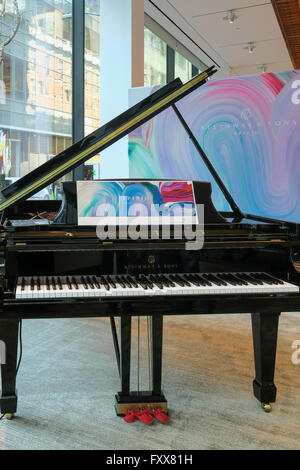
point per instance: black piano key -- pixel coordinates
(90, 283)
(262, 278)
(142, 282)
(186, 282)
(231, 281)
(47, 283)
(272, 279)
(53, 283)
(96, 283)
(150, 282)
(255, 279)
(134, 281)
(200, 280)
(178, 281)
(237, 277)
(190, 278)
(38, 283)
(147, 281)
(120, 281)
(280, 281)
(166, 282)
(181, 282)
(32, 284)
(204, 282)
(59, 283)
(219, 277)
(156, 281)
(197, 281)
(128, 282)
(23, 284)
(75, 283)
(111, 282)
(104, 283)
(83, 282)
(248, 278)
(69, 283)
(212, 279)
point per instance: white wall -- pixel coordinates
(122, 66)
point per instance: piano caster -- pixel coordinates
(9, 416)
(267, 407)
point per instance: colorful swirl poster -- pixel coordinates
(249, 128)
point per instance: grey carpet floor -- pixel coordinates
(68, 378)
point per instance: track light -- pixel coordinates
(250, 48)
(230, 17)
(262, 68)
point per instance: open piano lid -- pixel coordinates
(102, 138)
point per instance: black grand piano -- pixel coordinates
(245, 264)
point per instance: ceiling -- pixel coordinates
(288, 15)
(256, 22)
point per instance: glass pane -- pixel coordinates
(155, 69)
(35, 86)
(183, 68)
(92, 79)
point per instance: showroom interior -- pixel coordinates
(153, 338)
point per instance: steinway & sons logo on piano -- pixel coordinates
(142, 210)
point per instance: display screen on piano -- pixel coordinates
(144, 201)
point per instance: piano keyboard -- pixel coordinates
(47, 287)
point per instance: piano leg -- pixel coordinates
(265, 330)
(9, 330)
(125, 335)
(123, 397)
(126, 400)
(156, 352)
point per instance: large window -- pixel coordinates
(92, 65)
(183, 68)
(92, 80)
(166, 58)
(36, 84)
(155, 69)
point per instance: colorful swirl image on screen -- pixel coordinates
(249, 128)
(134, 198)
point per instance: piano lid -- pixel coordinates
(102, 138)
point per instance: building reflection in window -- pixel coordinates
(36, 81)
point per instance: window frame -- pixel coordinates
(172, 46)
